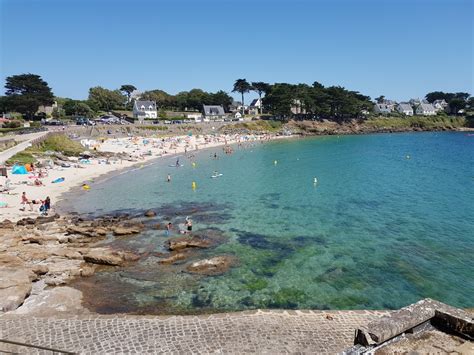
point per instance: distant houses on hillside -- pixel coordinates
(410, 108)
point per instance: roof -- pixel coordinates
(254, 102)
(146, 103)
(384, 106)
(426, 107)
(213, 110)
(405, 107)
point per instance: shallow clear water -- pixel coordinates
(378, 230)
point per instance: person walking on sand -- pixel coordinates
(25, 201)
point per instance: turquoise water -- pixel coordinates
(389, 222)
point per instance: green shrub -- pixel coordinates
(60, 143)
(13, 124)
(21, 158)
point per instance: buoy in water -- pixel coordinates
(193, 185)
(86, 187)
(275, 162)
(194, 164)
(407, 157)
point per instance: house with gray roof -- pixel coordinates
(383, 108)
(440, 105)
(213, 112)
(425, 110)
(143, 109)
(405, 108)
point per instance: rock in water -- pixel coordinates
(122, 230)
(108, 257)
(214, 266)
(186, 242)
(150, 213)
(173, 258)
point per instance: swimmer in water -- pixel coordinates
(177, 162)
(168, 178)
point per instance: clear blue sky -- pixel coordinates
(402, 48)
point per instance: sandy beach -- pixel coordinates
(137, 150)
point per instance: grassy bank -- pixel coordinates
(259, 126)
(428, 122)
(55, 143)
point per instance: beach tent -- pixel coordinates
(19, 169)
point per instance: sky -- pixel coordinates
(398, 48)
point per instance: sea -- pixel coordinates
(336, 222)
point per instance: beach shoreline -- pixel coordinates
(99, 170)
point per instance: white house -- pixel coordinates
(255, 106)
(213, 111)
(405, 108)
(144, 109)
(440, 105)
(383, 108)
(297, 107)
(426, 110)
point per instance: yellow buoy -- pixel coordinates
(194, 164)
(86, 187)
(193, 185)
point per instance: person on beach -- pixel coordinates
(25, 201)
(168, 178)
(47, 205)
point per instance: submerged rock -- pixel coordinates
(187, 242)
(173, 258)
(213, 266)
(123, 230)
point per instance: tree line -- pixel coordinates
(25, 93)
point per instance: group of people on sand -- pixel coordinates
(45, 205)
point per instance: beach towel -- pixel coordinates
(19, 169)
(61, 179)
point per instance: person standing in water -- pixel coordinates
(168, 178)
(168, 228)
(189, 225)
(177, 162)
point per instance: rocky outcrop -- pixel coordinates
(93, 232)
(53, 251)
(63, 300)
(108, 257)
(15, 286)
(213, 266)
